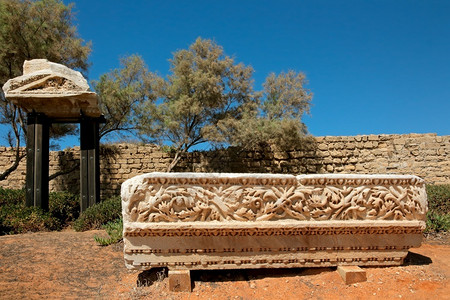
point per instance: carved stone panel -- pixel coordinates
(52, 89)
(199, 221)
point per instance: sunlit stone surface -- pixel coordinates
(53, 89)
(227, 221)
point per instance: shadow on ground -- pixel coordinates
(416, 259)
(251, 274)
(149, 277)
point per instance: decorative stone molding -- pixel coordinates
(53, 89)
(221, 221)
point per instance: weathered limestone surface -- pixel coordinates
(53, 89)
(190, 221)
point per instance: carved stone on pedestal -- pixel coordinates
(52, 89)
(52, 93)
(187, 221)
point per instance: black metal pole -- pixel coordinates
(90, 162)
(37, 160)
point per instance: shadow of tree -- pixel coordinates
(108, 156)
(304, 159)
(68, 176)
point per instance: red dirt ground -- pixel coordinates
(69, 265)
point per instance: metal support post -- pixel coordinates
(37, 160)
(90, 162)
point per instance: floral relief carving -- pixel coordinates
(270, 199)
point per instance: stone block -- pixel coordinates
(180, 281)
(53, 89)
(352, 274)
(350, 146)
(369, 145)
(349, 168)
(322, 146)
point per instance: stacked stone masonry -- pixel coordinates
(424, 155)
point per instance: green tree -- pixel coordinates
(207, 97)
(123, 92)
(204, 87)
(276, 120)
(35, 29)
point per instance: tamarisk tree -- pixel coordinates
(206, 98)
(29, 30)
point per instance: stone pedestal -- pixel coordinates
(180, 280)
(352, 274)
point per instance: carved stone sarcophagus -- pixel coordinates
(187, 221)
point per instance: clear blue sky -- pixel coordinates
(374, 66)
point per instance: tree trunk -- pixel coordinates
(175, 160)
(14, 166)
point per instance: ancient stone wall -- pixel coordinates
(424, 155)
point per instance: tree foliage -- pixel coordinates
(29, 30)
(207, 97)
(123, 92)
(204, 87)
(277, 118)
(38, 29)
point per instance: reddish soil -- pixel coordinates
(61, 265)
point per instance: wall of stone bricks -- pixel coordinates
(424, 155)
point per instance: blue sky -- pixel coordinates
(374, 66)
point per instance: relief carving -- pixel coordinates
(271, 199)
(52, 89)
(223, 221)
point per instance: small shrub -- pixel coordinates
(9, 196)
(64, 206)
(99, 214)
(114, 229)
(437, 222)
(17, 218)
(439, 198)
(438, 216)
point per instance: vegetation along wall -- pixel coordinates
(424, 155)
